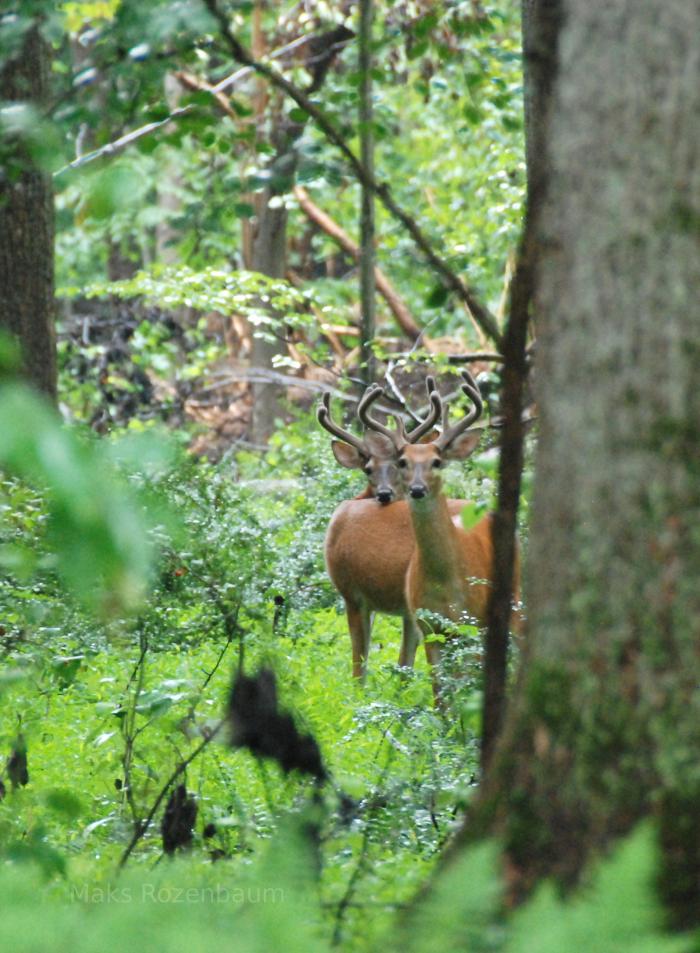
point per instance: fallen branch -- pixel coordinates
(264, 375)
(396, 305)
(473, 357)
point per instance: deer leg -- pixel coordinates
(409, 642)
(360, 625)
(432, 653)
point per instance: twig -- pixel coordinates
(129, 726)
(232, 631)
(396, 392)
(485, 356)
(263, 375)
(142, 826)
(488, 357)
(481, 314)
(111, 148)
(368, 256)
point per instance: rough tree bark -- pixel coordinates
(27, 226)
(605, 724)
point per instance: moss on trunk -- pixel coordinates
(604, 727)
(27, 226)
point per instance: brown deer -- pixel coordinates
(369, 542)
(450, 569)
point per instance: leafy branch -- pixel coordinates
(479, 311)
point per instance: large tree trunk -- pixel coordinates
(605, 726)
(27, 227)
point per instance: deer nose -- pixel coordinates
(385, 495)
(417, 491)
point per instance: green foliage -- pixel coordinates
(617, 912)
(95, 527)
(125, 702)
(268, 304)
(271, 907)
(448, 124)
(275, 903)
(109, 707)
(108, 713)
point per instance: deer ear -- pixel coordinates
(378, 444)
(347, 456)
(462, 446)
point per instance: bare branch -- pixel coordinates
(396, 305)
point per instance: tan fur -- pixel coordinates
(368, 549)
(458, 585)
(451, 568)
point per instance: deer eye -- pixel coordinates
(437, 464)
(368, 469)
(403, 463)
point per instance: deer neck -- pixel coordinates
(435, 534)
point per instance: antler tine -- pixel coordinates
(434, 413)
(327, 422)
(371, 395)
(471, 389)
(401, 435)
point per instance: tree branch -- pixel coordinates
(396, 305)
(481, 314)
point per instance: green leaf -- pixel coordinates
(64, 802)
(243, 209)
(112, 190)
(96, 525)
(416, 50)
(472, 113)
(437, 297)
(460, 906)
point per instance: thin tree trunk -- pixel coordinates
(169, 186)
(269, 257)
(367, 251)
(541, 26)
(265, 241)
(605, 727)
(27, 307)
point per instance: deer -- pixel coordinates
(450, 568)
(369, 541)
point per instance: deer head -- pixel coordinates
(419, 464)
(375, 452)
